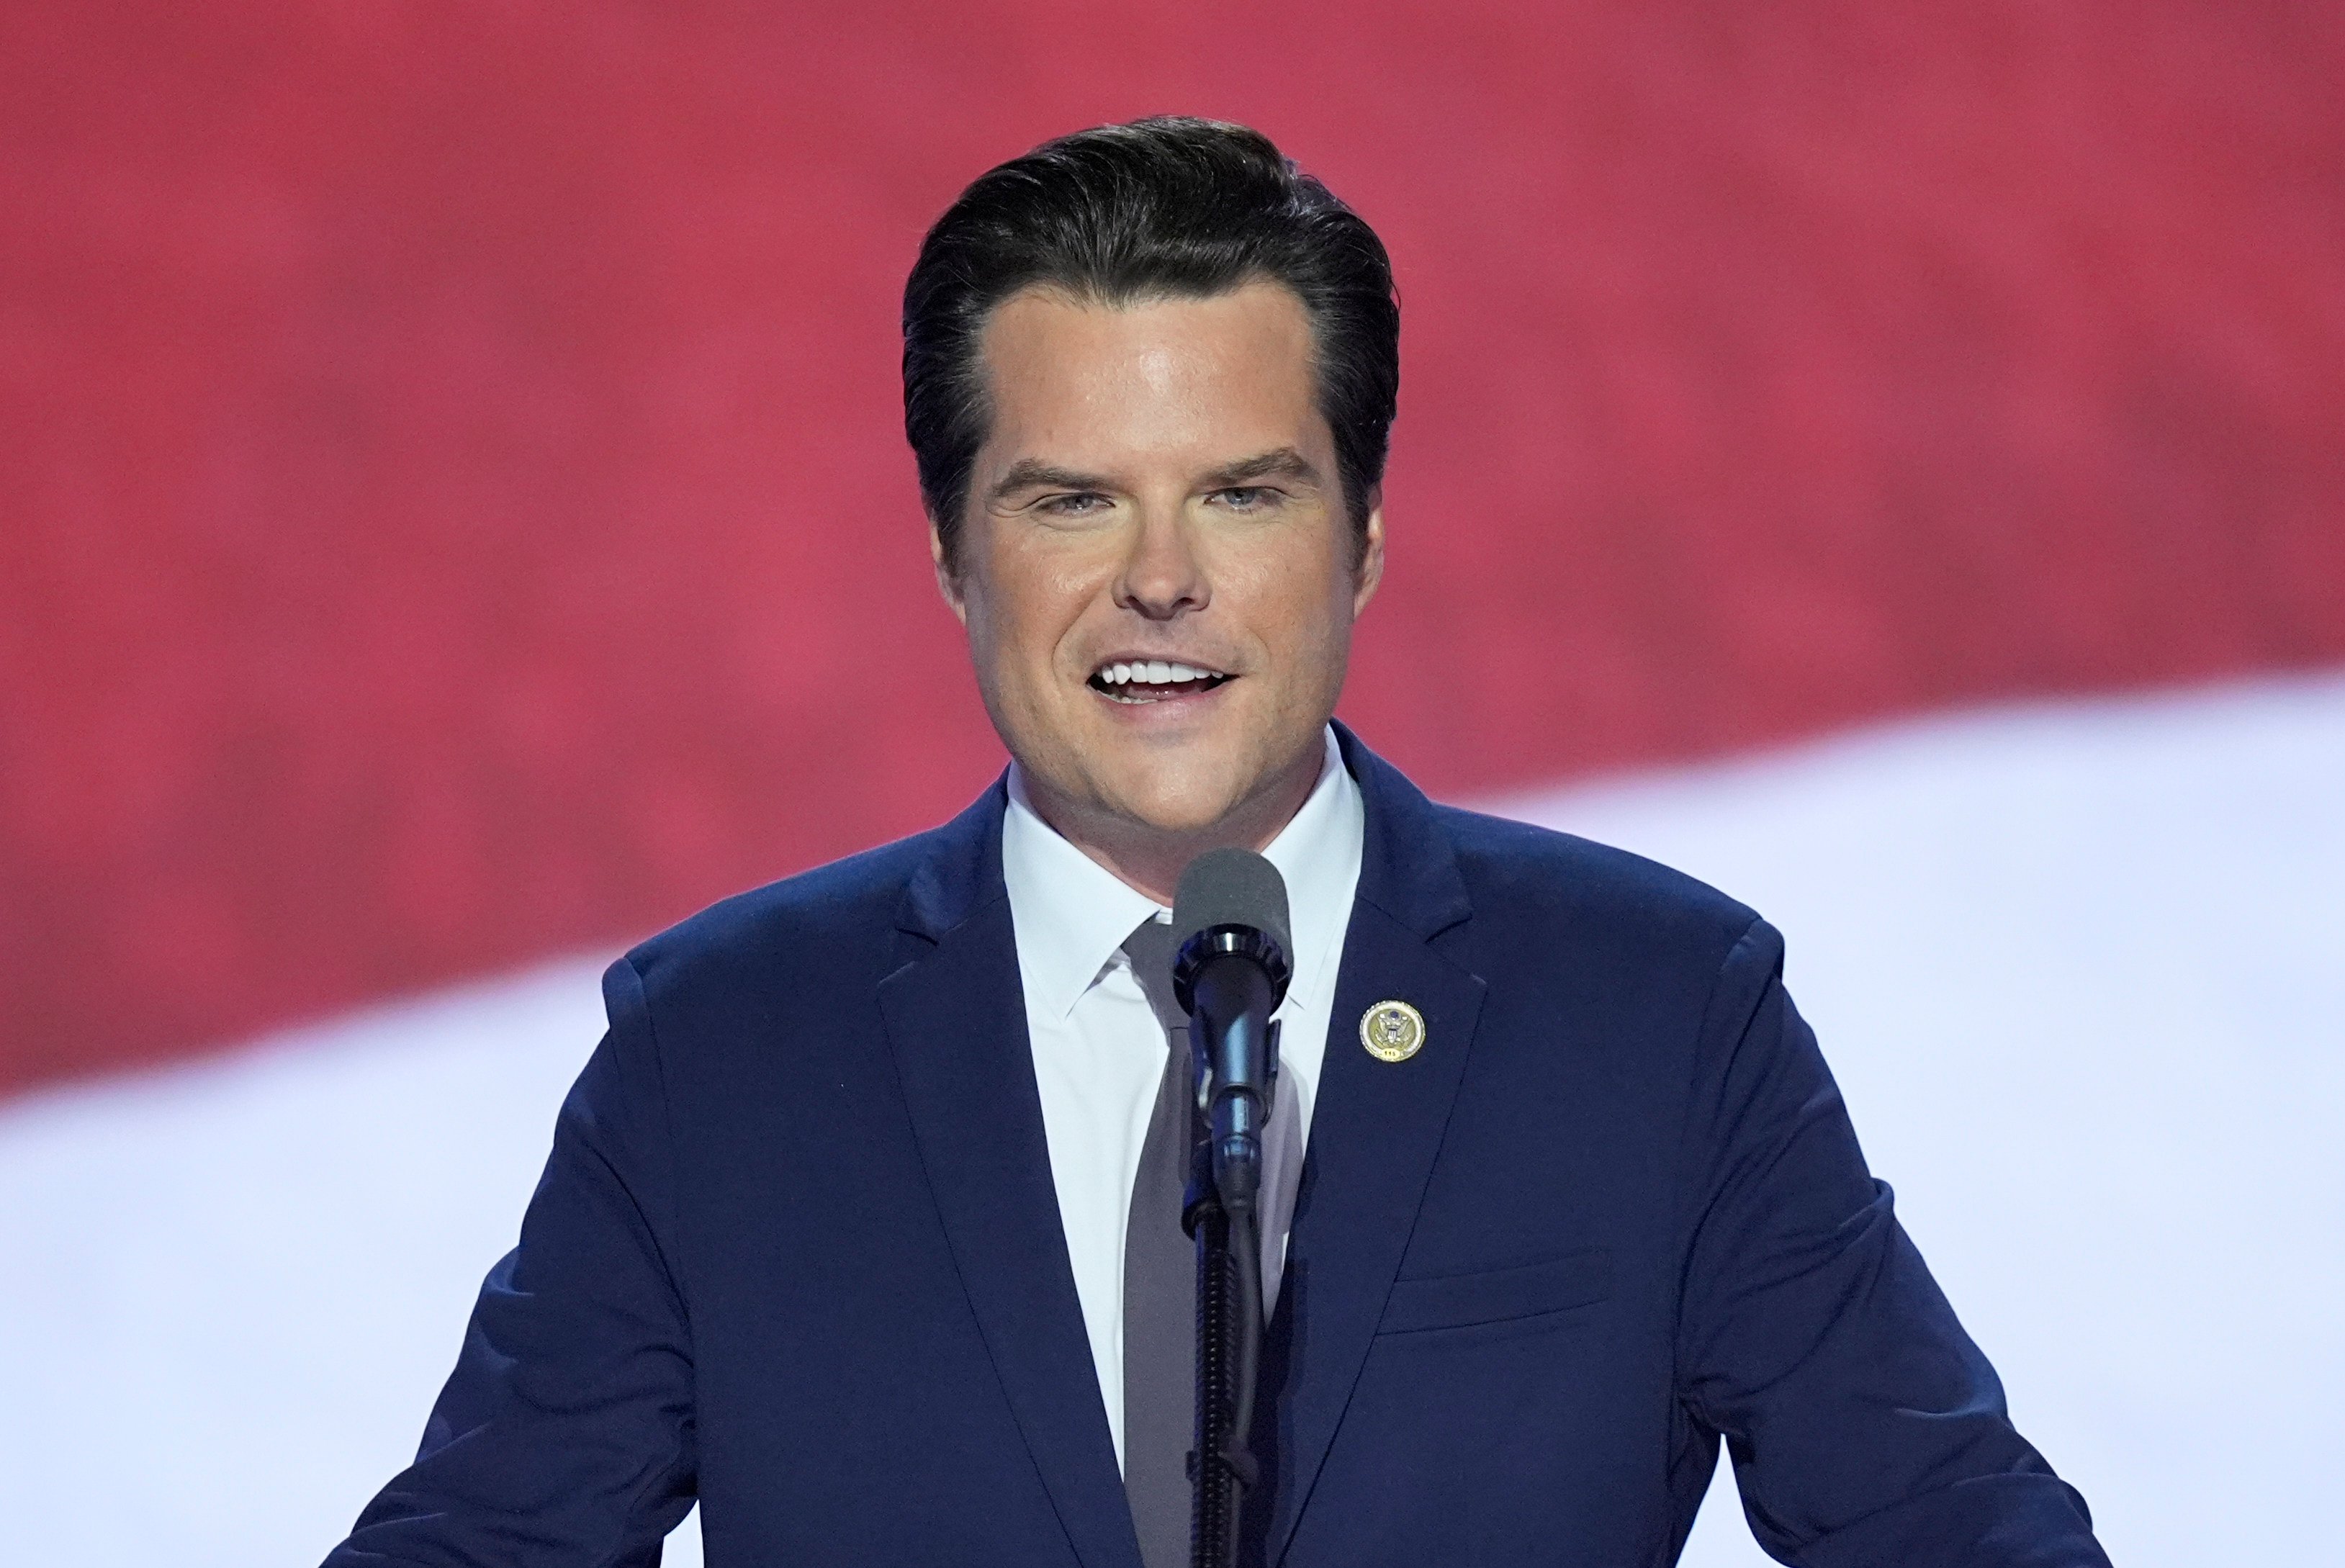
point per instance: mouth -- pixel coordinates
(1154, 679)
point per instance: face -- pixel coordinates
(1156, 568)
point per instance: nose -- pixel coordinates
(1161, 576)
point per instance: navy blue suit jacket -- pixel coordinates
(797, 1254)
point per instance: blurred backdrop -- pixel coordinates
(1886, 459)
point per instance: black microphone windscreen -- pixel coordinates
(1232, 888)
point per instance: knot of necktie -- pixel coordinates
(1149, 949)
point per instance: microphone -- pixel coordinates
(1232, 957)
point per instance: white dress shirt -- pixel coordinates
(1099, 1050)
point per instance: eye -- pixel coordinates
(1080, 503)
(1248, 497)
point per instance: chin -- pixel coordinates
(1177, 800)
(1177, 811)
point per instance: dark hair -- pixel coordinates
(1160, 207)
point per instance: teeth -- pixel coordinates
(1154, 672)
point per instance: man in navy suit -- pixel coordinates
(853, 1228)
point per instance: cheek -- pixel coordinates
(1306, 614)
(1021, 618)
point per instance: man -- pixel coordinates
(858, 1225)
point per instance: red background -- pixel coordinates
(455, 507)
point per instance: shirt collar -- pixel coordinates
(1318, 854)
(1072, 913)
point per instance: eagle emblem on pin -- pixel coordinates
(1392, 1031)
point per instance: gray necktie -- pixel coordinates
(1160, 1283)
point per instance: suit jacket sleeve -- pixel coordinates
(1864, 1426)
(564, 1437)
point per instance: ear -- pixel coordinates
(1370, 571)
(947, 580)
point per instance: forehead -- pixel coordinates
(1161, 373)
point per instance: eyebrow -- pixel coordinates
(1279, 462)
(1032, 473)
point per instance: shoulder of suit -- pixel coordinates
(831, 921)
(1514, 871)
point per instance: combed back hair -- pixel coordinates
(1160, 208)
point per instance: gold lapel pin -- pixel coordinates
(1392, 1031)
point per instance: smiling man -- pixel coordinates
(861, 1224)
(1160, 571)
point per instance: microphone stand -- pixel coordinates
(1232, 997)
(1229, 1340)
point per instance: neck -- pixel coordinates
(1149, 859)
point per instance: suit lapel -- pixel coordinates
(956, 1020)
(1376, 1130)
